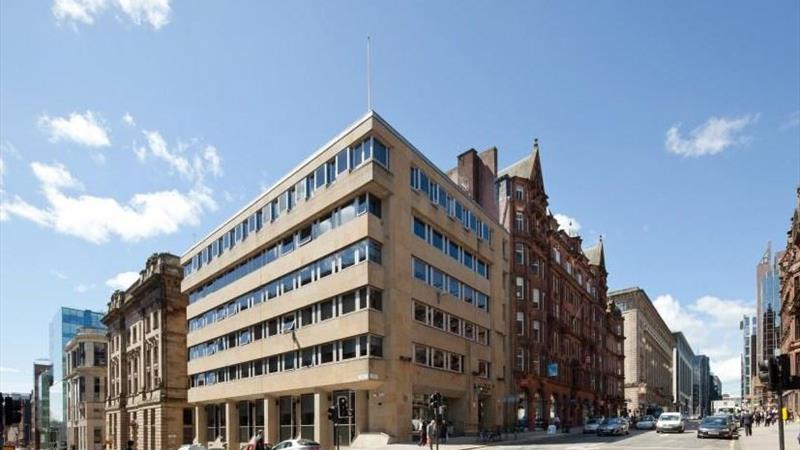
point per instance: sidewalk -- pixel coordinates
(764, 438)
(471, 442)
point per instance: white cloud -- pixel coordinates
(568, 224)
(206, 162)
(85, 129)
(59, 275)
(8, 370)
(711, 325)
(83, 288)
(792, 121)
(128, 120)
(97, 219)
(122, 280)
(150, 12)
(710, 138)
(77, 10)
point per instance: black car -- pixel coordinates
(717, 427)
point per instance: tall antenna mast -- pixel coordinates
(369, 75)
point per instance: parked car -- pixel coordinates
(297, 444)
(717, 426)
(613, 426)
(646, 423)
(671, 421)
(591, 424)
(192, 447)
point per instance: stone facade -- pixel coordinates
(85, 385)
(648, 353)
(147, 380)
(567, 339)
(790, 303)
(365, 274)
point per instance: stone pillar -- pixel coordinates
(323, 429)
(232, 425)
(361, 408)
(271, 432)
(200, 425)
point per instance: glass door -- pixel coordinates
(346, 426)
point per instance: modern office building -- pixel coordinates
(648, 353)
(147, 382)
(40, 403)
(716, 389)
(567, 338)
(85, 384)
(682, 373)
(365, 274)
(749, 360)
(790, 304)
(63, 327)
(701, 386)
(768, 304)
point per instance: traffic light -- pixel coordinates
(332, 413)
(784, 372)
(343, 408)
(8, 410)
(768, 374)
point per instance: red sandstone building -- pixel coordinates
(567, 338)
(790, 304)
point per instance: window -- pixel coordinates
(454, 325)
(437, 239)
(536, 331)
(438, 319)
(520, 288)
(468, 259)
(483, 369)
(520, 361)
(535, 297)
(348, 348)
(420, 354)
(519, 222)
(519, 193)
(420, 229)
(519, 254)
(326, 352)
(420, 270)
(348, 303)
(454, 250)
(341, 161)
(520, 323)
(319, 177)
(438, 358)
(420, 313)
(381, 152)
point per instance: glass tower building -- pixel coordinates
(63, 327)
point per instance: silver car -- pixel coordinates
(646, 423)
(591, 424)
(297, 444)
(613, 426)
(671, 421)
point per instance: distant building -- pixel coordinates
(701, 386)
(716, 389)
(40, 403)
(790, 304)
(648, 353)
(63, 327)
(749, 360)
(18, 433)
(682, 373)
(147, 379)
(768, 307)
(85, 384)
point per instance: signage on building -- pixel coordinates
(552, 369)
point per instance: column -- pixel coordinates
(323, 430)
(232, 424)
(271, 423)
(200, 429)
(361, 409)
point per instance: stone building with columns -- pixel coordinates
(790, 304)
(366, 274)
(567, 338)
(147, 382)
(85, 384)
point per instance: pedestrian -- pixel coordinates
(256, 442)
(433, 434)
(423, 434)
(557, 423)
(747, 422)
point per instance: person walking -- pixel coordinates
(747, 422)
(433, 434)
(423, 434)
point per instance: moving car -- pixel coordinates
(591, 424)
(613, 426)
(646, 423)
(716, 426)
(297, 444)
(671, 421)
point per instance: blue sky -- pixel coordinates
(126, 128)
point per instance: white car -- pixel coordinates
(296, 444)
(646, 423)
(671, 421)
(192, 447)
(591, 424)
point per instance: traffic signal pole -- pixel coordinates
(780, 420)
